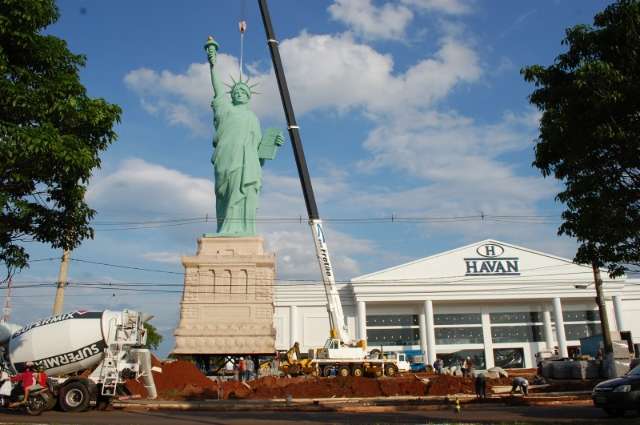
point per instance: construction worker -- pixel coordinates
(467, 367)
(41, 376)
(481, 385)
(250, 365)
(438, 365)
(520, 383)
(27, 380)
(242, 369)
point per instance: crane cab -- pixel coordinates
(335, 349)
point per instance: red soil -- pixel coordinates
(181, 380)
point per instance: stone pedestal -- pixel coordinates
(227, 301)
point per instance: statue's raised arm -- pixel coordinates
(211, 47)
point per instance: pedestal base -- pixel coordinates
(227, 302)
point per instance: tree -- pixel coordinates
(51, 134)
(590, 135)
(154, 339)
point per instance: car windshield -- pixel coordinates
(634, 372)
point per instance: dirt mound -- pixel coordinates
(314, 387)
(447, 384)
(178, 380)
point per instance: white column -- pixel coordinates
(422, 322)
(548, 329)
(431, 334)
(362, 320)
(293, 325)
(487, 340)
(560, 336)
(617, 309)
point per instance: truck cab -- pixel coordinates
(334, 349)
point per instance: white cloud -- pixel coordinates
(296, 255)
(182, 99)
(138, 186)
(324, 72)
(446, 147)
(165, 257)
(388, 21)
(450, 7)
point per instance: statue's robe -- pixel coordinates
(238, 174)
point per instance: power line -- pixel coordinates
(124, 267)
(425, 279)
(106, 226)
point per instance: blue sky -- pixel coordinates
(410, 108)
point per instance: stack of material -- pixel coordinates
(585, 369)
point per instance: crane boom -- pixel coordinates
(334, 306)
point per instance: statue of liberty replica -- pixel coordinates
(240, 152)
(227, 303)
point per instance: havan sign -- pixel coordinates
(490, 262)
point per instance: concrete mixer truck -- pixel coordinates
(87, 354)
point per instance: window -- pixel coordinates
(581, 316)
(465, 335)
(457, 358)
(393, 337)
(516, 317)
(457, 319)
(508, 357)
(574, 331)
(392, 320)
(526, 333)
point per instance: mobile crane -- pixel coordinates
(340, 353)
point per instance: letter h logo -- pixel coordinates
(490, 250)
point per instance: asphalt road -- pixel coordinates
(470, 414)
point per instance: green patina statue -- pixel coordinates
(240, 152)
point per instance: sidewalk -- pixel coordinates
(333, 404)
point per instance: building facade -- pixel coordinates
(493, 301)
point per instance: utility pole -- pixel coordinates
(6, 311)
(604, 320)
(62, 282)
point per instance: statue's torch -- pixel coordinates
(211, 47)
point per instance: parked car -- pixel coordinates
(618, 395)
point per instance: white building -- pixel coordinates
(494, 301)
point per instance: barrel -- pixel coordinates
(63, 344)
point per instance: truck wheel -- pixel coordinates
(74, 397)
(390, 370)
(327, 371)
(344, 371)
(375, 354)
(35, 405)
(357, 371)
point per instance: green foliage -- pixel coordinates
(590, 134)
(51, 134)
(154, 339)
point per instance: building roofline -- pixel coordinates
(544, 254)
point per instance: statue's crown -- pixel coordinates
(242, 84)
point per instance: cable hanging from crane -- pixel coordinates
(242, 27)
